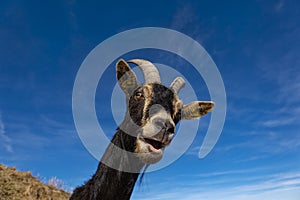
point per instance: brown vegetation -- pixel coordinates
(16, 185)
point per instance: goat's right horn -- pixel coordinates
(150, 72)
(177, 84)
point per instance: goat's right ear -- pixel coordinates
(126, 77)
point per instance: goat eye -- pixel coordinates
(138, 95)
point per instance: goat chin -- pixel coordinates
(147, 153)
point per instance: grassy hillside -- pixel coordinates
(16, 185)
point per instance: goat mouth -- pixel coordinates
(154, 145)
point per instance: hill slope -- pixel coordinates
(16, 185)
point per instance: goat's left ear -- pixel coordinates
(126, 77)
(196, 109)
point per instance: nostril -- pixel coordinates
(171, 130)
(170, 127)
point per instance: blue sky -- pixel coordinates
(255, 45)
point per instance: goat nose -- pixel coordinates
(161, 123)
(170, 127)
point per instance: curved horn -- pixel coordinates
(177, 84)
(150, 72)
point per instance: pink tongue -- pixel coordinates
(154, 150)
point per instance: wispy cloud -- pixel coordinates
(231, 172)
(5, 141)
(260, 145)
(274, 182)
(279, 5)
(186, 19)
(267, 187)
(31, 138)
(278, 122)
(282, 71)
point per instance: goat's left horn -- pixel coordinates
(150, 72)
(177, 84)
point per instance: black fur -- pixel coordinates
(136, 106)
(112, 184)
(163, 96)
(108, 183)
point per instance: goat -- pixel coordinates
(153, 110)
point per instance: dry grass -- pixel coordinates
(16, 185)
